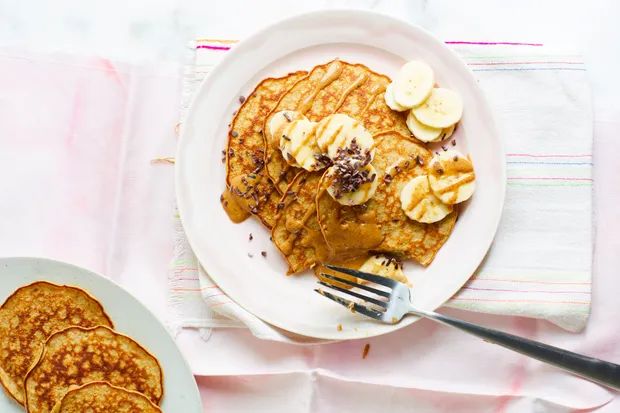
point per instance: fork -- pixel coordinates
(391, 301)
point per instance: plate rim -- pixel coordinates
(8, 260)
(353, 14)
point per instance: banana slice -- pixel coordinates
(413, 84)
(299, 141)
(337, 131)
(279, 120)
(385, 266)
(422, 132)
(346, 188)
(446, 133)
(420, 204)
(289, 131)
(442, 109)
(451, 177)
(389, 99)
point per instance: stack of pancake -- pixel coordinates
(59, 353)
(308, 226)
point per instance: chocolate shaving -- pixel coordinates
(241, 99)
(263, 253)
(234, 134)
(453, 142)
(349, 173)
(250, 237)
(323, 160)
(287, 116)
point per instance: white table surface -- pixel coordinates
(156, 31)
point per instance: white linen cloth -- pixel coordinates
(540, 263)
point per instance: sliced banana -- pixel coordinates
(451, 177)
(443, 108)
(337, 131)
(446, 133)
(420, 204)
(279, 120)
(413, 84)
(295, 130)
(362, 194)
(389, 99)
(302, 144)
(422, 132)
(384, 266)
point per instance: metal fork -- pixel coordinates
(391, 301)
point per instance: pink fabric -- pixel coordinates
(76, 140)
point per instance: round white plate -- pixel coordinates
(259, 284)
(130, 317)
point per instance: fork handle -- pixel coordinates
(590, 368)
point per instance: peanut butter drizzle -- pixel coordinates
(334, 136)
(332, 73)
(242, 198)
(416, 197)
(356, 83)
(377, 90)
(235, 211)
(454, 185)
(307, 137)
(294, 226)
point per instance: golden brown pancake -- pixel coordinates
(76, 356)
(380, 224)
(334, 87)
(102, 397)
(296, 232)
(29, 316)
(245, 153)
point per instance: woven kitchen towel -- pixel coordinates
(540, 262)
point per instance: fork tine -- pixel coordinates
(354, 284)
(347, 303)
(354, 294)
(364, 275)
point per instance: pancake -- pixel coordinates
(102, 397)
(296, 232)
(245, 152)
(380, 224)
(29, 316)
(76, 356)
(334, 87)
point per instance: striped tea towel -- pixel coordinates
(540, 263)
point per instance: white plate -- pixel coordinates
(259, 284)
(130, 317)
